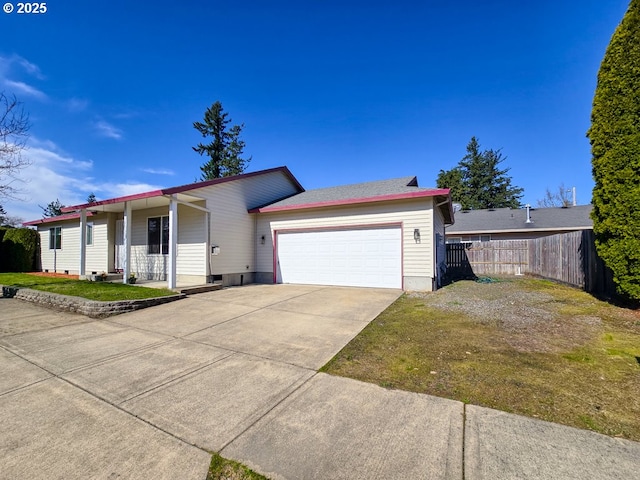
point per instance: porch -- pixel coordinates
(142, 239)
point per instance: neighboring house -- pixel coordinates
(512, 224)
(259, 227)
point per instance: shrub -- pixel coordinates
(19, 246)
(3, 255)
(615, 148)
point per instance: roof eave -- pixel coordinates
(352, 201)
(520, 230)
(183, 188)
(58, 218)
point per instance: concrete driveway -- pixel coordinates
(149, 394)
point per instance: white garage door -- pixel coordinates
(370, 257)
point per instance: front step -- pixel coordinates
(209, 287)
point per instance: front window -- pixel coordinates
(89, 233)
(55, 238)
(158, 235)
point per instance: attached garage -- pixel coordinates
(360, 257)
(385, 234)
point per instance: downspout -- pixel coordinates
(209, 265)
(255, 246)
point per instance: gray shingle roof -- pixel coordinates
(507, 219)
(395, 186)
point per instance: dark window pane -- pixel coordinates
(55, 238)
(153, 235)
(165, 235)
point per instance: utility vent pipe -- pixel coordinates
(528, 207)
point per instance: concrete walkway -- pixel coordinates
(148, 394)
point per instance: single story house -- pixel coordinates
(517, 224)
(259, 227)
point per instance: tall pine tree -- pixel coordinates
(53, 209)
(225, 148)
(615, 150)
(477, 181)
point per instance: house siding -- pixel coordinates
(418, 258)
(191, 245)
(68, 257)
(97, 253)
(233, 229)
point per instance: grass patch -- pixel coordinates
(223, 469)
(525, 346)
(102, 291)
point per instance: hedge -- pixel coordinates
(18, 248)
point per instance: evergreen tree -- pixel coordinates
(477, 182)
(91, 198)
(452, 179)
(615, 150)
(225, 149)
(53, 209)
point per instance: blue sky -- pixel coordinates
(339, 91)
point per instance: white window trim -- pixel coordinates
(90, 236)
(54, 236)
(160, 217)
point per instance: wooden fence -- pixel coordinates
(569, 257)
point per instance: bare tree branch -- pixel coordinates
(14, 125)
(559, 198)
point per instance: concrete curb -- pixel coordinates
(90, 308)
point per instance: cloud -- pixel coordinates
(30, 68)
(22, 87)
(77, 104)
(54, 174)
(158, 171)
(16, 66)
(105, 129)
(129, 188)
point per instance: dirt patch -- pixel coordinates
(54, 275)
(529, 321)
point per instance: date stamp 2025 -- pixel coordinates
(22, 8)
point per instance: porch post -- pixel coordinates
(207, 251)
(126, 271)
(83, 242)
(173, 242)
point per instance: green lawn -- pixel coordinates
(102, 291)
(528, 346)
(223, 469)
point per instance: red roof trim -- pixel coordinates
(185, 188)
(59, 218)
(110, 201)
(353, 201)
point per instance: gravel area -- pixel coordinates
(529, 321)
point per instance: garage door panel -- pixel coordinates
(361, 257)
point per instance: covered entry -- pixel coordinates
(359, 257)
